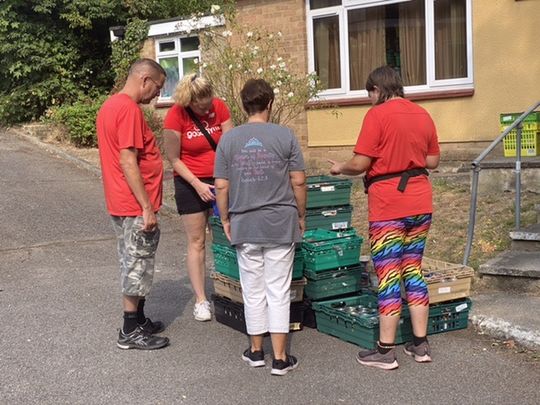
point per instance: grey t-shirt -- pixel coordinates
(256, 158)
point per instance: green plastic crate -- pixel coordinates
(530, 134)
(226, 262)
(326, 191)
(324, 249)
(331, 218)
(363, 330)
(218, 235)
(332, 283)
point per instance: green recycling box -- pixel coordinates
(331, 218)
(327, 191)
(324, 249)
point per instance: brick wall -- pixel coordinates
(289, 17)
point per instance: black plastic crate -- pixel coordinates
(231, 313)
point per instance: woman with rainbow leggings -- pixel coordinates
(397, 143)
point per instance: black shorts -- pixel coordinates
(186, 197)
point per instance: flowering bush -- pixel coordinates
(236, 54)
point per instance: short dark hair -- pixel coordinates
(146, 63)
(388, 81)
(256, 95)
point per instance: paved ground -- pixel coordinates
(60, 308)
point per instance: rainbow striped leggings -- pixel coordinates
(397, 247)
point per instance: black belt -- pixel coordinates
(405, 175)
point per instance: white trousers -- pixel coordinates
(265, 276)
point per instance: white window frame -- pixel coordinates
(432, 84)
(176, 52)
(176, 30)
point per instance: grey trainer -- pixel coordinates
(421, 353)
(373, 358)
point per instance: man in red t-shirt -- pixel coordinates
(132, 172)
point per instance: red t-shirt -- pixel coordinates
(120, 125)
(398, 135)
(195, 151)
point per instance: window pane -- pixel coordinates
(314, 4)
(367, 35)
(392, 35)
(189, 66)
(166, 46)
(189, 44)
(327, 56)
(450, 39)
(411, 57)
(171, 67)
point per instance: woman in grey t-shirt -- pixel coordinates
(261, 196)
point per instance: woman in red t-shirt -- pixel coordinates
(192, 157)
(397, 143)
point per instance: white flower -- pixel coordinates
(238, 65)
(226, 34)
(196, 61)
(259, 70)
(279, 83)
(214, 8)
(270, 36)
(290, 95)
(249, 34)
(273, 67)
(279, 34)
(230, 67)
(279, 59)
(276, 91)
(205, 65)
(282, 65)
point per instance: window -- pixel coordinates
(179, 57)
(427, 41)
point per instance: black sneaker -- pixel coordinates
(282, 367)
(254, 359)
(139, 339)
(152, 328)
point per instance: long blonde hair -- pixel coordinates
(192, 87)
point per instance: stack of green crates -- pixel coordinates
(356, 319)
(328, 203)
(332, 263)
(225, 260)
(227, 306)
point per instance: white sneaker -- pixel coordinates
(201, 311)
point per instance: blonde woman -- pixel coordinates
(192, 129)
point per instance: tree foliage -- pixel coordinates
(54, 52)
(233, 55)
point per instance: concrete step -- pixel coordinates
(512, 270)
(526, 239)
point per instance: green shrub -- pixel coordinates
(79, 119)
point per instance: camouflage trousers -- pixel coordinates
(136, 252)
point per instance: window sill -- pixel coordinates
(431, 95)
(164, 104)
